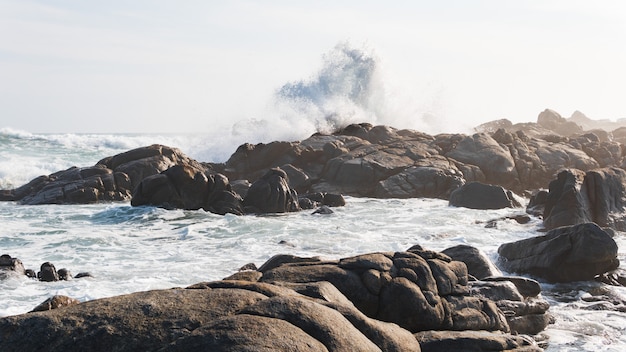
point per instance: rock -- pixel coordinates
(474, 341)
(476, 195)
(595, 196)
(573, 253)
(82, 275)
(111, 179)
(477, 262)
(54, 302)
(418, 289)
(186, 187)
(48, 273)
(64, 274)
(359, 160)
(323, 210)
(216, 316)
(494, 160)
(526, 287)
(12, 264)
(271, 194)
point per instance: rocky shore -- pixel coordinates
(413, 300)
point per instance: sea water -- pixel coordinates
(129, 249)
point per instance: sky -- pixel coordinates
(158, 66)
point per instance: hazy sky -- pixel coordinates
(192, 66)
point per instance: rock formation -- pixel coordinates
(371, 302)
(576, 197)
(565, 254)
(476, 195)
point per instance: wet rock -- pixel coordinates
(323, 210)
(187, 187)
(48, 273)
(476, 195)
(271, 194)
(7, 263)
(477, 262)
(434, 341)
(565, 254)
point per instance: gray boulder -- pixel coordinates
(476, 195)
(565, 254)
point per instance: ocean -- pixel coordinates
(129, 249)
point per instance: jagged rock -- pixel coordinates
(418, 289)
(476, 195)
(572, 253)
(595, 196)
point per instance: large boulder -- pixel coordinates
(595, 196)
(271, 194)
(493, 159)
(565, 254)
(216, 316)
(476, 195)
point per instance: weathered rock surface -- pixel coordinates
(418, 289)
(218, 316)
(571, 253)
(575, 197)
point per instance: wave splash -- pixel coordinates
(348, 88)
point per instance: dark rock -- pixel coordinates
(11, 264)
(82, 275)
(476, 195)
(477, 262)
(526, 287)
(435, 341)
(281, 259)
(111, 179)
(48, 272)
(323, 210)
(271, 194)
(565, 254)
(64, 274)
(187, 187)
